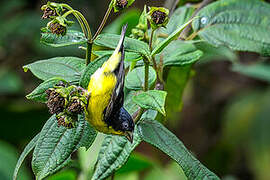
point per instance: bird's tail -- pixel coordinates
(120, 46)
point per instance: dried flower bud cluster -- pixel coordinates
(66, 102)
(58, 24)
(158, 17)
(48, 13)
(57, 28)
(119, 5)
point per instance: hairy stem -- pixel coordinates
(146, 75)
(88, 52)
(101, 26)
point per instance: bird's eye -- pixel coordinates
(125, 125)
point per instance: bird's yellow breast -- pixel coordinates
(101, 87)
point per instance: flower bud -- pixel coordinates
(119, 5)
(49, 13)
(158, 17)
(75, 106)
(58, 29)
(51, 10)
(65, 120)
(56, 102)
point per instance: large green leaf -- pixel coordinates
(39, 94)
(152, 99)
(132, 45)
(56, 144)
(156, 134)
(91, 69)
(30, 146)
(239, 24)
(113, 154)
(72, 37)
(259, 70)
(68, 68)
(135, 78)
(175, 85)
(211, 52)
(179, 53)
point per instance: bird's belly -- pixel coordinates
(100, 89)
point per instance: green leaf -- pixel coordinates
(135, 79)
(65, 175)
(67, 68)
(179, 53)
(132, 45)
(91, 69)
(152, 99)
(39, 93)
(56, 144)
(30, 146)
(137, 162)
(129, 105)
(113, 154)
(72, 37)
(259, 70)
(211, 52)
(159, 136)
(129, 56)
(169, 39)
(239, 24)
(179, 17)
(175, 84)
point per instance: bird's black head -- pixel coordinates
(123, 123)
(126, 121)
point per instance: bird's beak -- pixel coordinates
(129, 136)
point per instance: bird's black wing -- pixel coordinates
(117, 98)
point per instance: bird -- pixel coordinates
(105, 111)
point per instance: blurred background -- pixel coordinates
(224, 120)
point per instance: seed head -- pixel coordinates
(48, 13)
(58, 29)
(158, 16)
(121, 4)
(75, 106)
(55, 102)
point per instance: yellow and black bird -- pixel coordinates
(105, 109)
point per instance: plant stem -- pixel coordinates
(151, 40)
(101, 26)
(146, 75)
(88, 52)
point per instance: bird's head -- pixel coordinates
(125, 124)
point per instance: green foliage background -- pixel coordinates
(224, 117)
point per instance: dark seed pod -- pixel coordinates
(58, 29)
(75, 106)
(66, 121)
(121, 4)
(158, 17)
(55, 102)
(48, 13)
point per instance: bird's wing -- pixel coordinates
(117, 98)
